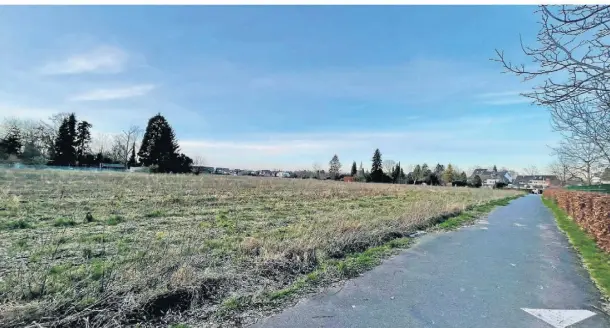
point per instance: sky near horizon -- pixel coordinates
(283, 87)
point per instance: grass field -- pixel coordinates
(94, 249)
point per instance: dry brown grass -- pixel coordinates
(160, 246)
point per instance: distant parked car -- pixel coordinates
(536, 191)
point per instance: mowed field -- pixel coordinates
(107, 249)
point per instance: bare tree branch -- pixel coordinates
(572, 55)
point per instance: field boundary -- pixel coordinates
(594, 259)
(339, 270)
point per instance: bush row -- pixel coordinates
(590, 210)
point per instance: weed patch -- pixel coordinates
(64, 222)
(114, 220)
(16, 224)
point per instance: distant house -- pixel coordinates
(348, 179)
(489, 178)
(282, 174)
(535, 181)
(575, 181)
(601, 177)
(113, 167)
(203, 169)
(265, 173)
(222, 170)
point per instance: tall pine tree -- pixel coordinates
(11, 143)
(83, 138)
(65, 142)
(159, 148)
(396, 174)
(448, 174)
(376, 168)
(463, 177)
(354, 169)
(439, 169)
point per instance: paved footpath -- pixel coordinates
(514, 269)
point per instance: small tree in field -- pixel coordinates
(335, 166)
(448, 174)
(417, 174)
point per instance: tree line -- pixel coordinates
(391, 172)
(67, 142)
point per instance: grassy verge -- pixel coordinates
(472, 214)
(596, 261)
(350, 266)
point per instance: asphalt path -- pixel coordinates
(513, 268)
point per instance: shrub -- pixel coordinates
(64, 222)
(500, 185)
(115, 219)
(476, 182)
(16, 224)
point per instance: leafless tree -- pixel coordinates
(388, 166)
(572, 54)
(118, 146)
(583, 159)
(57, 119)
(471, 169)
(128, 139)
(316, 169)
(38, 133)
(531, 170)
(561, 170)
(101, 143)
(587, 121)
(198, 161)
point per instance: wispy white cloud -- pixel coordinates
(503, 98)
(104, 59)
(500, 94)
(112, 94)
(507, 101)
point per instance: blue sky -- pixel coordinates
(285, 87)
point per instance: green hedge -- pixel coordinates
(605, 188)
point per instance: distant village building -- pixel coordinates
(203, 169)
(222, 170)
(536, 181)
(489, 178)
